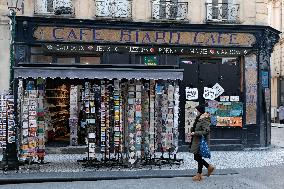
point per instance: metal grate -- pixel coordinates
(57, 7)
(172, 10)
(222, 12)
(114, 8)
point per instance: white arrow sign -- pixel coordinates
(218, 90)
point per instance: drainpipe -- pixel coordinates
(281, 46)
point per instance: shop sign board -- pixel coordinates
(151, 60)
(234, 98)
(251, 88)
(140, 36)
(191, 93)
(224, 98)
(91, 49)
(264, 75)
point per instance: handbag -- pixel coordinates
(204, 148)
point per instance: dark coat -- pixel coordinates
(202, 128)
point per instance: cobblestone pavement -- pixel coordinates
(221, 159)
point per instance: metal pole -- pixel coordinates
(12, 57)
(10, 156)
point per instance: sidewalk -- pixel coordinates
(277, 125)
(64, 167)
(99, 175)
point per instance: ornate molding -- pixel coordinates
(265, 43)
(21, 53)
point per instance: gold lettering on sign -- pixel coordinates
(93, 35)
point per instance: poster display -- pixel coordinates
(251, 88)
(191, 93)
(225, 113)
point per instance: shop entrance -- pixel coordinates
(57, 112)
(202, 73)
(127, 119)
(227, 109)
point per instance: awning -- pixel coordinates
(99, 73)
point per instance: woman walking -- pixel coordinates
(200, 127)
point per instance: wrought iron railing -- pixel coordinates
(222, 12)
(169, 10)
(114, 8)
(56, 7)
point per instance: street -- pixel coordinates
(265, 173)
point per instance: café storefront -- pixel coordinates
(134, 85)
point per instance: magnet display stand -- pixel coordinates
(41, 121)
(73, 120)
(138, 124)
(131, 123)
(28, 147)
(32, 121)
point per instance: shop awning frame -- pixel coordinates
(97, 73)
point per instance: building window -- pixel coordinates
(91, 60)
(169, 10)
(66, 60)
(38, 56)
(114, 8)
(222, 10)
(41, 59)
(56, 7)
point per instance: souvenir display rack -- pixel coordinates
(73, 120)
(28, 120)
(41, 124)
(32, 121)
(57, 97)
(7, 120)
(140, 135)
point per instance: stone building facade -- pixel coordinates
(253, 12)
(276, 20)
(204, 43)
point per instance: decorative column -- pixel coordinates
(266, 41)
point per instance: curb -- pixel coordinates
(277, 125)
(18, 178)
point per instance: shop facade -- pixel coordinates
(135, 85)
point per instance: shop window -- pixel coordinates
(66, 60)
(41, 59)
(230, 61)
(114, 8)
(36, 50)
(117, 58)
(93, 60)
(57, 7)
